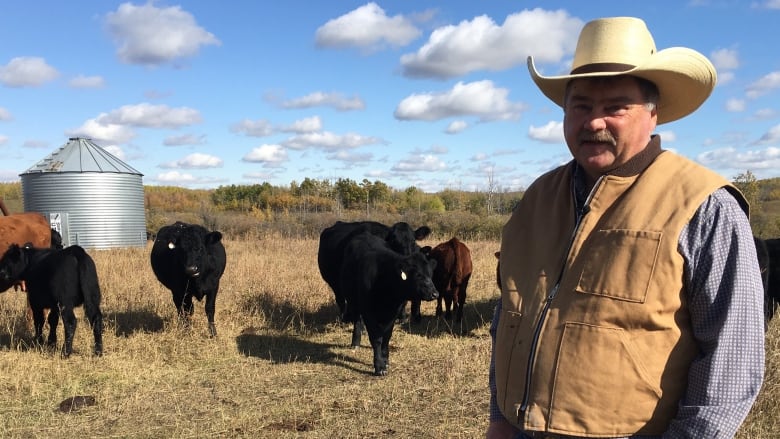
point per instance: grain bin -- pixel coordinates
(91, 197)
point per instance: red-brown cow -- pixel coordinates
(21, 228)
(451, 278)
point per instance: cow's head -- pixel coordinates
(189, 247)
(402, 238)
(12, 266)
(416, 272)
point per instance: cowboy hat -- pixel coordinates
(623, 46)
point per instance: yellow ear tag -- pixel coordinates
(171, 245)
(403, 275)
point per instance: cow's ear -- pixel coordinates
(213, 237)
(422, 233)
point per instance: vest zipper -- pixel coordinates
(579, 214)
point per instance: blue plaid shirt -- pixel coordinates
(725, 299)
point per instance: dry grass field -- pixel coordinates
(281, 366)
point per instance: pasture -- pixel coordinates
(281, 366)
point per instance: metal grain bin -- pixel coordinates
(91, 197)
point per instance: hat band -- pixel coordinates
(602, 67)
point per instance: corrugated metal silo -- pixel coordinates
(91, 197)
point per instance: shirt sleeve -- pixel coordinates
(725, 299)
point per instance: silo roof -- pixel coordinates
(81, 155)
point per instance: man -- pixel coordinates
(631, 302)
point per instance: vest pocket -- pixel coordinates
(619, 263)
(601, 384)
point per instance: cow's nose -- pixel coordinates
(192, 271)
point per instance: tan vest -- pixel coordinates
(615, 343)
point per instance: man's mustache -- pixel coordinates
(598, 137)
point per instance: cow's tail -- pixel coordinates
(90, 290)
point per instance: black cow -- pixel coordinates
(376, 282)
(189, 260)
(399, 237)
(771, 273)
(58, 280)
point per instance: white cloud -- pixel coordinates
(667, 136)
(306, 125)
(150, 35)
(367, 27)
(195, 161)
(103, 132)
(725, 59)
(480, 98)
(186, 139)
(320, 99)
(268, 154)
(420, 163)
(732, 159)
(116, 151)
(735, 105)
(82, 81)
(151, 116)
(3, 139)
(552, 132)
(253, 128)
(765, 114)
(351, 157)
(456, 127)
(27, 71)
(5, 114)
(330, 141)
(771, 137)
(725, 78)
(481, 44)
(764, 85)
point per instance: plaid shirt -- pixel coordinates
(725, 298)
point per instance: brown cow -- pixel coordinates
(21, 228)
(451, 277)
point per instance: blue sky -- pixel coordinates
(435, 95)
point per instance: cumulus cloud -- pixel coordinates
(771, 137)
(321, 99)
(764, 85)
(82, 81)
(735, 105)
(27, 71)
(116, 151)
(367, 27)
(149, 35)
(194, 161)
(306, 125)
(35, 144)
(186, 139)
(552, 132)
(253, 128)
(151, 116)
(481, 44)
(420, 163)
(725, 59)
(5, 114)
(103, 132)
(350, 157)
(267, 154)
(481, 98)
(456, 126)
(329, 141)
(732, 159)
(667, 136)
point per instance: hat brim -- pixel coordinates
(684, 77)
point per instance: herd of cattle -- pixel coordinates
(373, 269)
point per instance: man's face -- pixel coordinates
(606, 122)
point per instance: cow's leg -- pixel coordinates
(380, 343)
(38, 321)
(357, 331)
(416, 315)
(184, 307)
(95, 318)
(53, 319)
(69, 327)
(211, 300)
(448, 305)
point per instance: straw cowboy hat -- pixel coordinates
(623, 46)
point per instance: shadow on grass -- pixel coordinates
(283, 315)
(129, 322)
(283, 349)
(475, 316)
